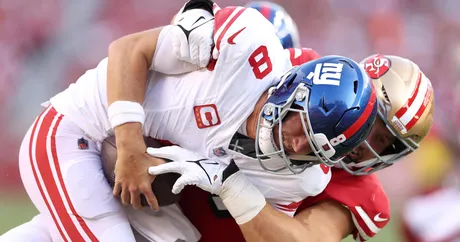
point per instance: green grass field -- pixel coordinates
(15, 210)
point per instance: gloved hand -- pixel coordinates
(193, 36)
(194, 168)
(238, 194)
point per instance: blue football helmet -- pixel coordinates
(338, 106)
(286, 29)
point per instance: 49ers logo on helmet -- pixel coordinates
(377, 66)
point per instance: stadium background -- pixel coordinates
(47, 44)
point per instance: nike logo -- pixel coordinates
(377, 218)
(200, 18)
(187, 32)
(231, 40)
(198, 162)
(211, 163)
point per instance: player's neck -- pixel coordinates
(251, 124)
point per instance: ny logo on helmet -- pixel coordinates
(326, 74)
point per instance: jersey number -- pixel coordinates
(260, 62)
(338, 140)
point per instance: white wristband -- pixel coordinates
(121, 112)
(241, 198)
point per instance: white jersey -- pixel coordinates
(203, 109)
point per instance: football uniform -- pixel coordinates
(201, 111)
(224, 105)
(362, 195)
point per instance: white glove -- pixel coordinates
(194, 168)
(240, 196)
(193, 36)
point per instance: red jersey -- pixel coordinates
(362, 195)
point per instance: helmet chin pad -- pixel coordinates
(322, 143)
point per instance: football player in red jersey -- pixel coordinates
(351, 204)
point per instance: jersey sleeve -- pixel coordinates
(164, 60)
(249, 58)
(287, 207)
(363, 196)
(286, 192)
(247, 45)
(299, 56)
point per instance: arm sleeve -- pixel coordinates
(363, 196)
(298, 56)
(287, 207)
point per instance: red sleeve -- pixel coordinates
(223, 20)
(363, 196)
(299, 56)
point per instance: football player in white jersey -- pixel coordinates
(315, 113)
(405, 119)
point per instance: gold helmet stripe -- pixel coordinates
(422, 108)
(410, 112)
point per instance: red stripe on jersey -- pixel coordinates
(265, 11)
(306, 55)
(364, 116)
(362, 225)
(220, 18)
(292, 207)
(422, 108)
(409, 102)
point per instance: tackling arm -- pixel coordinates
(365, 211)
(325, 221)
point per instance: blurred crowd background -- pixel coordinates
(47, 44)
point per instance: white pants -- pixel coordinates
(35, 230)
(62, 173)
(61, 170)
